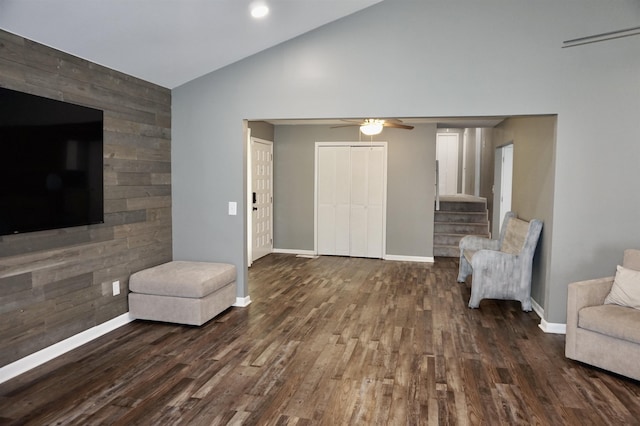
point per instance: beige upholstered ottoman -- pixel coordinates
(182, 292)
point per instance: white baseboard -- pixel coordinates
(552, 327)
(294, 251)
(537, 308)
(400, 258)
(47, 354)
(242, 302)
(548, 327)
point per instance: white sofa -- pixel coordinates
(604, 335)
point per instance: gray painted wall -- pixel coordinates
(487, 168)
(469, 163)
(423, 46)
(410, 186)
(533, 182)
(261, 130)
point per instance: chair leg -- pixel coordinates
(526, 304)
(464, 270)
(476, 296)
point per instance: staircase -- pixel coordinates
(459, 215)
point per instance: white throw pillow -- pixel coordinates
(626, 288)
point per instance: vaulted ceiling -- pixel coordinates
(167, 42)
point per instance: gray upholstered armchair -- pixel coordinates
(501, 268)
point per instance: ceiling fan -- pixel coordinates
(373, 126)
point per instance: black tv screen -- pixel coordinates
(51, 164)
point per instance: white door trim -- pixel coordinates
(465, 147)
(384, 195)
(248, 207)
(250, 241)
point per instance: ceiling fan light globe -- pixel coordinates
(371, 128)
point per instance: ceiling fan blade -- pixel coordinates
(387, 122)
(346, 125)
(350, 123)
(397, 125)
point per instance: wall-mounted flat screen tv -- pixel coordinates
(51, 164)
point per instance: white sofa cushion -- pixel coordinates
(183, 279)
(611, 320)
(626, 288)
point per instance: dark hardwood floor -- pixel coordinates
(333, 341)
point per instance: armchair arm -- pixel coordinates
(495, 276)
(495, 262)
(580, 295)
(590, 292)
(474, 243)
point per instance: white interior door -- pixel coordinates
(262, 198)
(506, 180)
(447, 156)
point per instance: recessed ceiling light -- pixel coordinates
(259, 10)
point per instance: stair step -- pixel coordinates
(461, 228)
(446, 251)
(460, 217)
(450, 239)
(464, 206)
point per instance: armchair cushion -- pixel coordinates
(515, 236)
(626, 288)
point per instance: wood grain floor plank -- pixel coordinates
(329, 341)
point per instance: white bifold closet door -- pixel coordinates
(351, 200)
(334, 200)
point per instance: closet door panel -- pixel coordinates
(367, 194)
(376, 176)
(359, 166)
(333, 201)
(326, 225)
(342, 200)
(358, 232)
(375, 201)
(374, 232)
(326, 205)
(358, 211)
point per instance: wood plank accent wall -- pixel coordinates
(54, 284)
